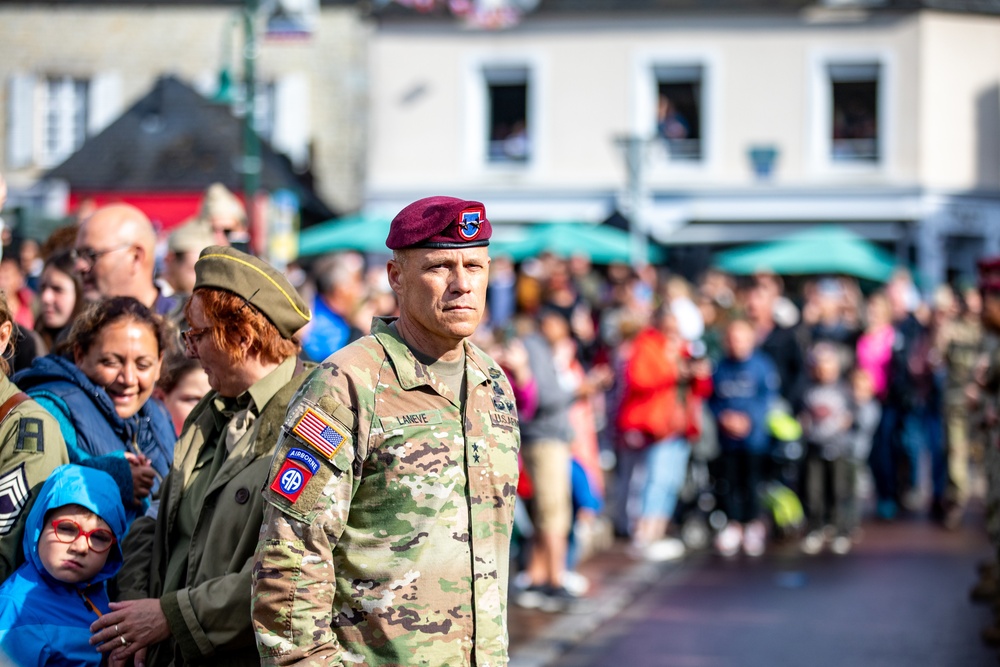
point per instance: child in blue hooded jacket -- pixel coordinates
(71, 547)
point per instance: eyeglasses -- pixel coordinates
(89, 256)
(68, 531)
(192, 336)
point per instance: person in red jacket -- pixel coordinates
(657, 419)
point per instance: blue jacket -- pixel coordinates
(93, 430)
(749, 386)
(327, 333)
(44, 621)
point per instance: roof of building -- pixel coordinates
(175, 140)
(554, 8)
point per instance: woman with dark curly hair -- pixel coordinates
(99, 393)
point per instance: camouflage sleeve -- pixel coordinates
(307, 498)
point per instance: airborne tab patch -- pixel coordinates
(324, 436)
(303, 457)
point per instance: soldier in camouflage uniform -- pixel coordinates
(990, 399)
(390, 502)
(960, 342)
(31, 447)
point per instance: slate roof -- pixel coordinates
(175, 140)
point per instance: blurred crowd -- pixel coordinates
(724, 413)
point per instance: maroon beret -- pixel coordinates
(989, 265)
(440, 222)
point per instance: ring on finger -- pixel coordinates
(117, 631)
(122, 637)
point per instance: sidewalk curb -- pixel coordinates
(590, 613)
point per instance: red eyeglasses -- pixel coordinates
(67, 531)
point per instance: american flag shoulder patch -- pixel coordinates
(320, 433)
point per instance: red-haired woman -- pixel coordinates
(186, 578)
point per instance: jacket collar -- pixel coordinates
(413, 373)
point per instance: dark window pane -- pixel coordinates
(855, 120)
(678, 118)
(508, 122)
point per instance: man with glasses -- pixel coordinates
(115, 255)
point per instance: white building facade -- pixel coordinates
(746, 125)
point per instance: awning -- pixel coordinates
(165, 209)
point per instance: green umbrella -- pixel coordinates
(357, 232)
(819, 250)
(603, 244)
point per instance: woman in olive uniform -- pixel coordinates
(186, 578)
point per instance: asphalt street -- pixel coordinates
(899, 599)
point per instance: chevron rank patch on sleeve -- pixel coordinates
(13, 497)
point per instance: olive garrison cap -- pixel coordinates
(257, 282)
(440, 222)
(193, 236)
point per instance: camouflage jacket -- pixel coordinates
(31, 447)
(388, 515)
(961, 353)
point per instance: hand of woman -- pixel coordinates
(143, 476)
(129, 629)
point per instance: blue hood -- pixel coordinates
(92, 489)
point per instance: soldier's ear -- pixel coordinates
(394, 271)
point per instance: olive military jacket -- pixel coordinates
(388, 515)
(31, 447)
(209, 617)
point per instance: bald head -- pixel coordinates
(116, 254)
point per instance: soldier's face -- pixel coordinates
(442, 291)
(991, 311)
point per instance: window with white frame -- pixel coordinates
(854, 120)
(679, 111)
(63, 118)
(508, 138)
